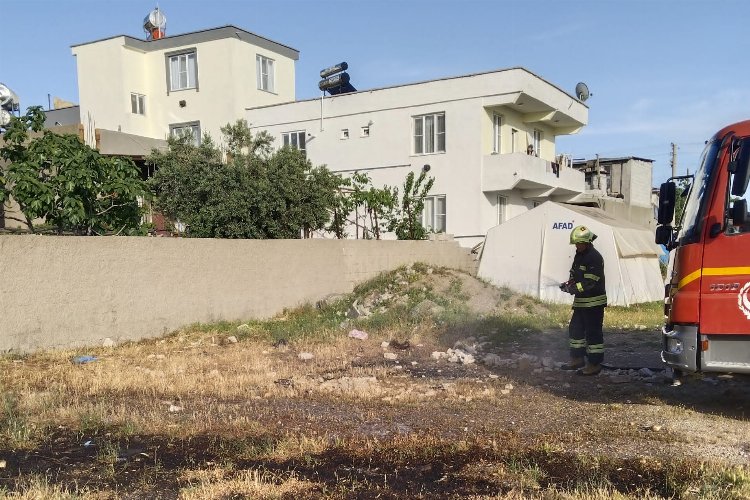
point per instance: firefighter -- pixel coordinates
(586, 283)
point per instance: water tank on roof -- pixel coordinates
(155, 24)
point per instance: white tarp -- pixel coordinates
(532, 254)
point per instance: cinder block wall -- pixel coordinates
(77, 291)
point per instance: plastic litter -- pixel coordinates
(82, 360)
(358, 334)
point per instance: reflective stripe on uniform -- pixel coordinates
(599, 300)
(579, 286)
(592, 277)
(595, 349)
(577, 343)
(582, 268)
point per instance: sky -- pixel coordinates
(659, 71)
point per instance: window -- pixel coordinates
(497, 121)
(502, 209)
(295, 140)
(429, 134)
(345, 133)
(433, 215)
(365, 131)
(513, 140)
(138, 104)
(537, 141)
(264, 67)
(192, 129)
(183, 71)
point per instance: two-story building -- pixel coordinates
(488, 139)
(192, 83)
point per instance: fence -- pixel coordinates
(77, 291)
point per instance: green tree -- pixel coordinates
(371, 207)
(406, 222)
(66, 183)
(253, 193)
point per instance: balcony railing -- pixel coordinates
(535, 177)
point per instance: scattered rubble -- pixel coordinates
(358, 334)
(305, 356)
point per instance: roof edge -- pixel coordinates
(139, 42)
(422, 82)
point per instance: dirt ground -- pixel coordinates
(389, 416)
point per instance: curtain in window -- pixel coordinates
(428, 214)
(429, 134)
(174, 73)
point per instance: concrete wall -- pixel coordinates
(78, 291)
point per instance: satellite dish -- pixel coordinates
(582, 91)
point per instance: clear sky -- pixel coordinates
(660, 71)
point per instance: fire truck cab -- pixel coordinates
(707, 296)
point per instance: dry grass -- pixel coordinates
(198, 416)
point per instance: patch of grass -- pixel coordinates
(15, 429)
(731, 483)
(37, 487)
(649, 315)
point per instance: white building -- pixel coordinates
(192, 83)
(472, 131)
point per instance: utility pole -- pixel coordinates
(673, 161)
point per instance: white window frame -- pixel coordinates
(182, 71)
(514, 140)
(426, 141)
(181, 129)
(294, 139)
(502, 208)
(434, 219)
(137, 103)
(497, 124)
(265, 70)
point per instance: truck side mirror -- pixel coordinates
(741, 168)
(739, 212)
(664, 236)
(667, 196)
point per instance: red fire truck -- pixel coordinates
(707, 302)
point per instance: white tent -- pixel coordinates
(532, 254)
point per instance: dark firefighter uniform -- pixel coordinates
(587, 285)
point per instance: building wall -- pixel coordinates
(78, 291)
(387, 154)
(109, 70)
(638, 190)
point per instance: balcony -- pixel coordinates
(534, 177)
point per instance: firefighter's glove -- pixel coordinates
(568, 287)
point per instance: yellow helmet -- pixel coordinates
(581, 234)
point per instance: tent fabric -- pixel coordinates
(532, 254)
(631, 240)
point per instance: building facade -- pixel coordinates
(488, 139)
(620, 186)
(188, 84)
